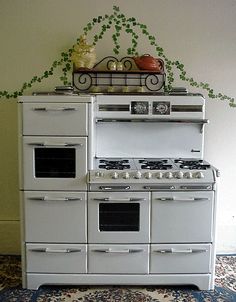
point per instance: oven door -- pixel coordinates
(54, 163)
(118, 217)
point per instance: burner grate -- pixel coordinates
(192, 164)
(155, 164)
(114, 164)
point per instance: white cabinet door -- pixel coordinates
(118, 259)
(181, 217)
(56, 258)
(68, 119)
(180, 258)
(55, 217)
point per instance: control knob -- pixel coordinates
(179, 174)
(138, 175)
(148, 175)
(126, 175)
(99, 174)
(159, 175)
(199, 175)
(188, 175)
(168, 175)
(114, 175)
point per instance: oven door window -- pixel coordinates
(55, 162)
(119, 217)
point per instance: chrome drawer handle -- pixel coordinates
(54, 109)
(125, 251)
(105, 188)
(195, 187)
(119, 199)
(175, 251)
(180, 200)
(41, 144)
(56, 251)
(159, 187)
(45, 198)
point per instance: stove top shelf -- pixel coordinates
(108, 81)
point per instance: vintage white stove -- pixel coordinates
(115, 190)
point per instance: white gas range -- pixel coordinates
(122, 188)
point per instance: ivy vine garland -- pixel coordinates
(119, 22)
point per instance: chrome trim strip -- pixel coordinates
(187, 108)
(164, 120)
(115, 107)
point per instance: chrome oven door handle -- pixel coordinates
(54, 109)
(43, 144)
(46, 199)
(119, 199)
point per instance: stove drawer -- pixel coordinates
(55, 216)
(55, 119)
(180, 258)
(56, 258)
(118, 259)
(182, 217)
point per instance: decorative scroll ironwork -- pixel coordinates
(127, 62)
(127, 79)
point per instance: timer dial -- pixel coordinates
(161, 108)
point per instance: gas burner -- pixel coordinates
(114, 164)
(196, 164)
(160, 164)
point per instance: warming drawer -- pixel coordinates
(55, 119)
(56, 258)
(55, 217)
(118, 259)
(180, 258)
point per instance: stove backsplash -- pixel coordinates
(149, 126)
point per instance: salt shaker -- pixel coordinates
(119, 66)
(112, 65)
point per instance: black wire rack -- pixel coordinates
(113, 75)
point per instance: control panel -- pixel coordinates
(152, 176)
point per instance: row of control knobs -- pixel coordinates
(149, 175)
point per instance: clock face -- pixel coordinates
(139, 107)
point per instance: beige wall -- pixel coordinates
(201, 34)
